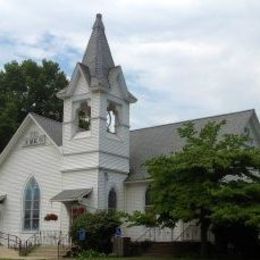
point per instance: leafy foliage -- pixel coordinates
(138, 218)
(237, 202)
(90, 254)
(28, 87)
(100, 227)
(194, 184)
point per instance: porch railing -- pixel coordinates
(64, 244)
(156, 234)
(55, 238)
(29, 244)
(11, 241)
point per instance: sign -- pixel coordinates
(82, 234)
(35, 139)
(118, 232)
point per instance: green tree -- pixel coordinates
(28, 87)
(192, 184)
(236, 218)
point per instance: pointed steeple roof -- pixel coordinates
(97, 56)
(97, 67)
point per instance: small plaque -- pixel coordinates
(35, 139)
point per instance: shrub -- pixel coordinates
(100, 227)
(90, 254)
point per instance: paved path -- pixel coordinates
(6, 253)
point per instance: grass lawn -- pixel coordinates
(146, 258)
(121, 258)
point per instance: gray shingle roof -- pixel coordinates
(150, 142)
(71, 195)
(98, 56)
(51, 127)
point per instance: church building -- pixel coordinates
(51, 172)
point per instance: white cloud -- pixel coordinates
(183, 59)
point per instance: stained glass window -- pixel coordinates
(31, 205)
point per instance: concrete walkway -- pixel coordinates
(6, 253)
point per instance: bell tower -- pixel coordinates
(96, 123)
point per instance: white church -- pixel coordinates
(51, 172)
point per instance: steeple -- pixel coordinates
(97, 56)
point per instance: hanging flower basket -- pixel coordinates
(50, 217)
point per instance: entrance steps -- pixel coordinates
(47, 252)
(8, 253)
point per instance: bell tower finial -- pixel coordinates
(98, 56)
(98, 23)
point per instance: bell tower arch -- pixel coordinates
(96, 119)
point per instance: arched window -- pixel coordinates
(84, 117)
(112, 119)
(31, 205)
(112, 200)
(148, 199)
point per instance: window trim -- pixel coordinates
(29, 184)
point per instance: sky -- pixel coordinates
(182, 59)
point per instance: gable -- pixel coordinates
(30, 134)
(79, 83)
(252, 128)
(52, 127)
(32, 138)
(118, 85)
(81, 86)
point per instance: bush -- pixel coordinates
(100, 227)
(90, 254)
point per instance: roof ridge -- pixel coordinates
(47, 118)
(195, 119)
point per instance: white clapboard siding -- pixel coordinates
(83, 179)
(41, 162)
(107, 181)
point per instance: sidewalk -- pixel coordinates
(7, 254)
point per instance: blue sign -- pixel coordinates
(118, 232)
(82, 234)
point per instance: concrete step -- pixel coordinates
(47, 252)
(8, 253)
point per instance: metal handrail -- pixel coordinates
(13, 241)
(65, 241)
(31, 242)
